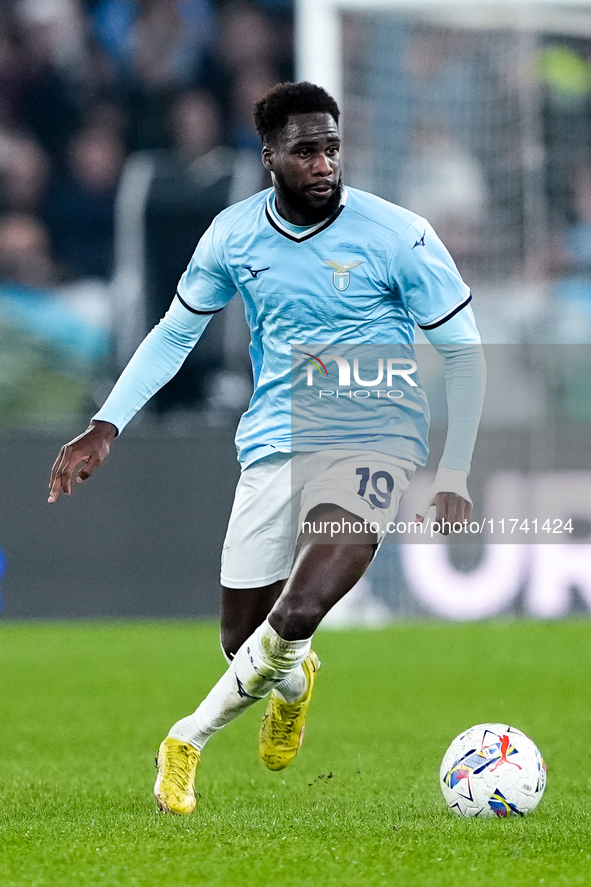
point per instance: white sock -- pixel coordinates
(263, 662)
(293, 687)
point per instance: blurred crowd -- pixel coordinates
(86, 86)
(126, 125)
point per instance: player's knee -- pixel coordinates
(298, 617)
(331, 571)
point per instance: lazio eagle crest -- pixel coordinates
(341, 277)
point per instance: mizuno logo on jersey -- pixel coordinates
(341, 277)
(421, 242)
(255, 271)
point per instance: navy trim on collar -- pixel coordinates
(294, 237)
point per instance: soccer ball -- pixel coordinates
(492, 770)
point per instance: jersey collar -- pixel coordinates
(295, 232)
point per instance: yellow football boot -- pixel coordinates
(282, 730)
(175, 784)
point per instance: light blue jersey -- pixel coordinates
(361, 278)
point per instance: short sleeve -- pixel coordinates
(424, 274)
(206, 285)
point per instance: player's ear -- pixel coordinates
(267, 157)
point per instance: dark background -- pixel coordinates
(142, 537)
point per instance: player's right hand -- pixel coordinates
(79, 458)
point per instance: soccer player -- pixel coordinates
(314, 262)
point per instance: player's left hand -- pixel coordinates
(449, 494)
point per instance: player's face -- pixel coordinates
(305, 164)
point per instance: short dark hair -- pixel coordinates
(273, 110)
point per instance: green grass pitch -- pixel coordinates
(85, 705)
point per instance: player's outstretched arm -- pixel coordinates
(156, 360)
(78, 459)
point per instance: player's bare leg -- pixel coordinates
(323, 572)
(243, 610)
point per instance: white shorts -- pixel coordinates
(275, 495)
